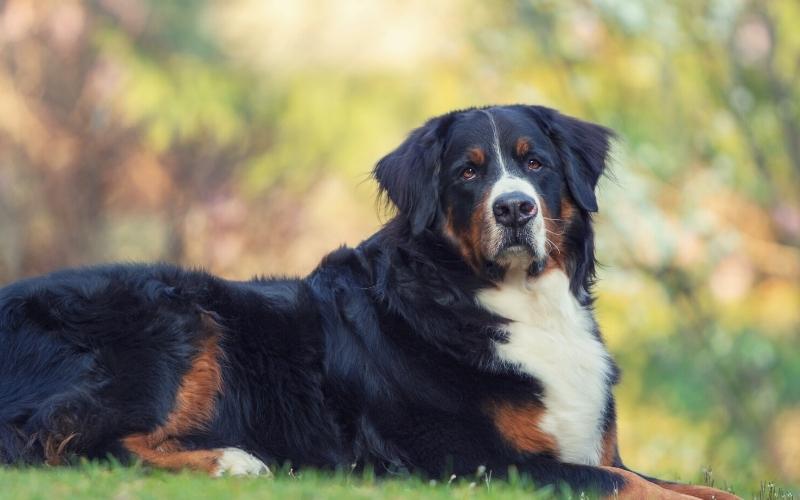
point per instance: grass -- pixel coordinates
(112, 481)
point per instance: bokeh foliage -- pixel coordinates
(237, 135)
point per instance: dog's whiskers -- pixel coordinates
(551, 244)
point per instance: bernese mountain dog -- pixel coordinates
(460, 337)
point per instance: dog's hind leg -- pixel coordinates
(170, 455)
(194, 408)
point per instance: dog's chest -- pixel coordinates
(550, 337)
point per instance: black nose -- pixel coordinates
(514, 209)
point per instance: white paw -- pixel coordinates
(235, 462)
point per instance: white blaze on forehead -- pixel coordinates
(507, 183)
(496, 143)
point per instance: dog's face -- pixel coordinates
(501, 184)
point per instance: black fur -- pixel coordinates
(380, 356)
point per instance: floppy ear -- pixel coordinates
(583, 147)
(409, 175)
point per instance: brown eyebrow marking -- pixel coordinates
(523, 146)
(476, 155)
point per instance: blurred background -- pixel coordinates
(237, 135)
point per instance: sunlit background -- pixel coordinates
(237, 135)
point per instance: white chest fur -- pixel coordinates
(550, 337)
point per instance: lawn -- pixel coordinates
(98, 480)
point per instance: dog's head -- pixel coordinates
(505, 185)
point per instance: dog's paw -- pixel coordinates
(235, 462)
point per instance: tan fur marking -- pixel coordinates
(609, 455)
(167, 456)
(523, 146)
(704, 492)
(468, 242)
(476, 155)
(194, 404)
(57, 441)
(476, 229)
(449, 229)
(519, 424)
(55, 448)
(554, 229)
(635, 487)
(567, 209)
(194, 408)
(450, 232)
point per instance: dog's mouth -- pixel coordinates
(516, 245)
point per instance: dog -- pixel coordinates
(458, 338)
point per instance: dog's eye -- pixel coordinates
(468, 173)
(534, 164)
